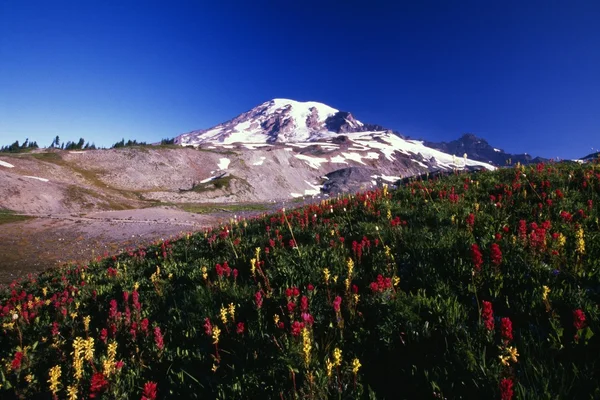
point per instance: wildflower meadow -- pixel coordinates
(475, 285)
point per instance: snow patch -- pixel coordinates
(295, 195)
(223, 163)
(5, 164)
(354, 157)
(390, 178)
(339, 159)
(76, 152)
(260, 162)
(313, 162)
(36, 177)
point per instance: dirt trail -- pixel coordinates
(49, 240)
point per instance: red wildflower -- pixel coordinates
(506, 389)
(55, 330)
(240, 328)
(506, 329)
(304, 303)
(310, 287)
(207, 327)
(308, 319)
(235, 273)
(112, 313)
(149, 392)
(488, 315)
(158, 338)
(288, 292)
(16, 363)
(471, 220)
(258, 299)
(98, 384)
(354, 289)
(144, 325)
(496, 254)
(477, 257)
(103, 335)
(578, 319)
(291, 306)
(297, 328)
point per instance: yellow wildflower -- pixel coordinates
(329, 367)
(580, 242)
(136, 286)
(73, 315)
(109, 363)
(389, 214)
(396, 280)
(232, 311)
(326, 275)
(79, 345)
(253, 267)
(561, 240)
(512, 352)
(89, 349)
(355, 366)
(545, 293)
(356, 298)
(306, 345)
(86, 322)
(29, 378)
(276, 319)
(45, 291)
(54, 380)
(337, 357)
(214, 368)
(215, 334)
(72, 392)
(223, 313)
(335, 279)
(204, 273)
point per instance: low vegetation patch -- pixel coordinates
(8, 216)
(480, 285)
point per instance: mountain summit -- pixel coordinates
(280, 121)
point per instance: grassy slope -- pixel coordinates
(410, 305)
(7, 216)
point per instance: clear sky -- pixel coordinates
(525, 75)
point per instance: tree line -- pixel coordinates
(17, 147)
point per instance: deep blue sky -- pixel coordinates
(525, 75)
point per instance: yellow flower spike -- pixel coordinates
(276, 319)
(355, 366)
(45, 291)
(396, 281)
(204, 271)
(328, 367)
(89, 349)
(356, 298)
(545, 292)
(580, 241)
(72, 392)
(215, 334)
(306, 345)
(136, 286)
(223, 313)
(232, 311)
(257, 253)
(389, 214)
(253, 267)
(335, 279)
(73, 315)
(86, 322)
(29, 378)
(326, 275)
(54, 381)
(512, 352)
(350, 265)
(337, 357)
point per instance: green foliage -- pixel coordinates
(475, 285)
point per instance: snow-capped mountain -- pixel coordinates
(305, 147)
(279, 121)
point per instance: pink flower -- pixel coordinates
(337, 303)
(207, 327)
(304, 303)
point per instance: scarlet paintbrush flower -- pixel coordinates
(578, 319)
(476, 256)
(207, 327)
(258, 299)
(337, 303)
(488, 315)
(506, 389)
(149, 392)
(304, 303)
(291, 306)
(297, 328)
(506, 329)
(496, 255)
(158, 338)
(471, 220)
(16, 362)
(240, 328)
(98, 384)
